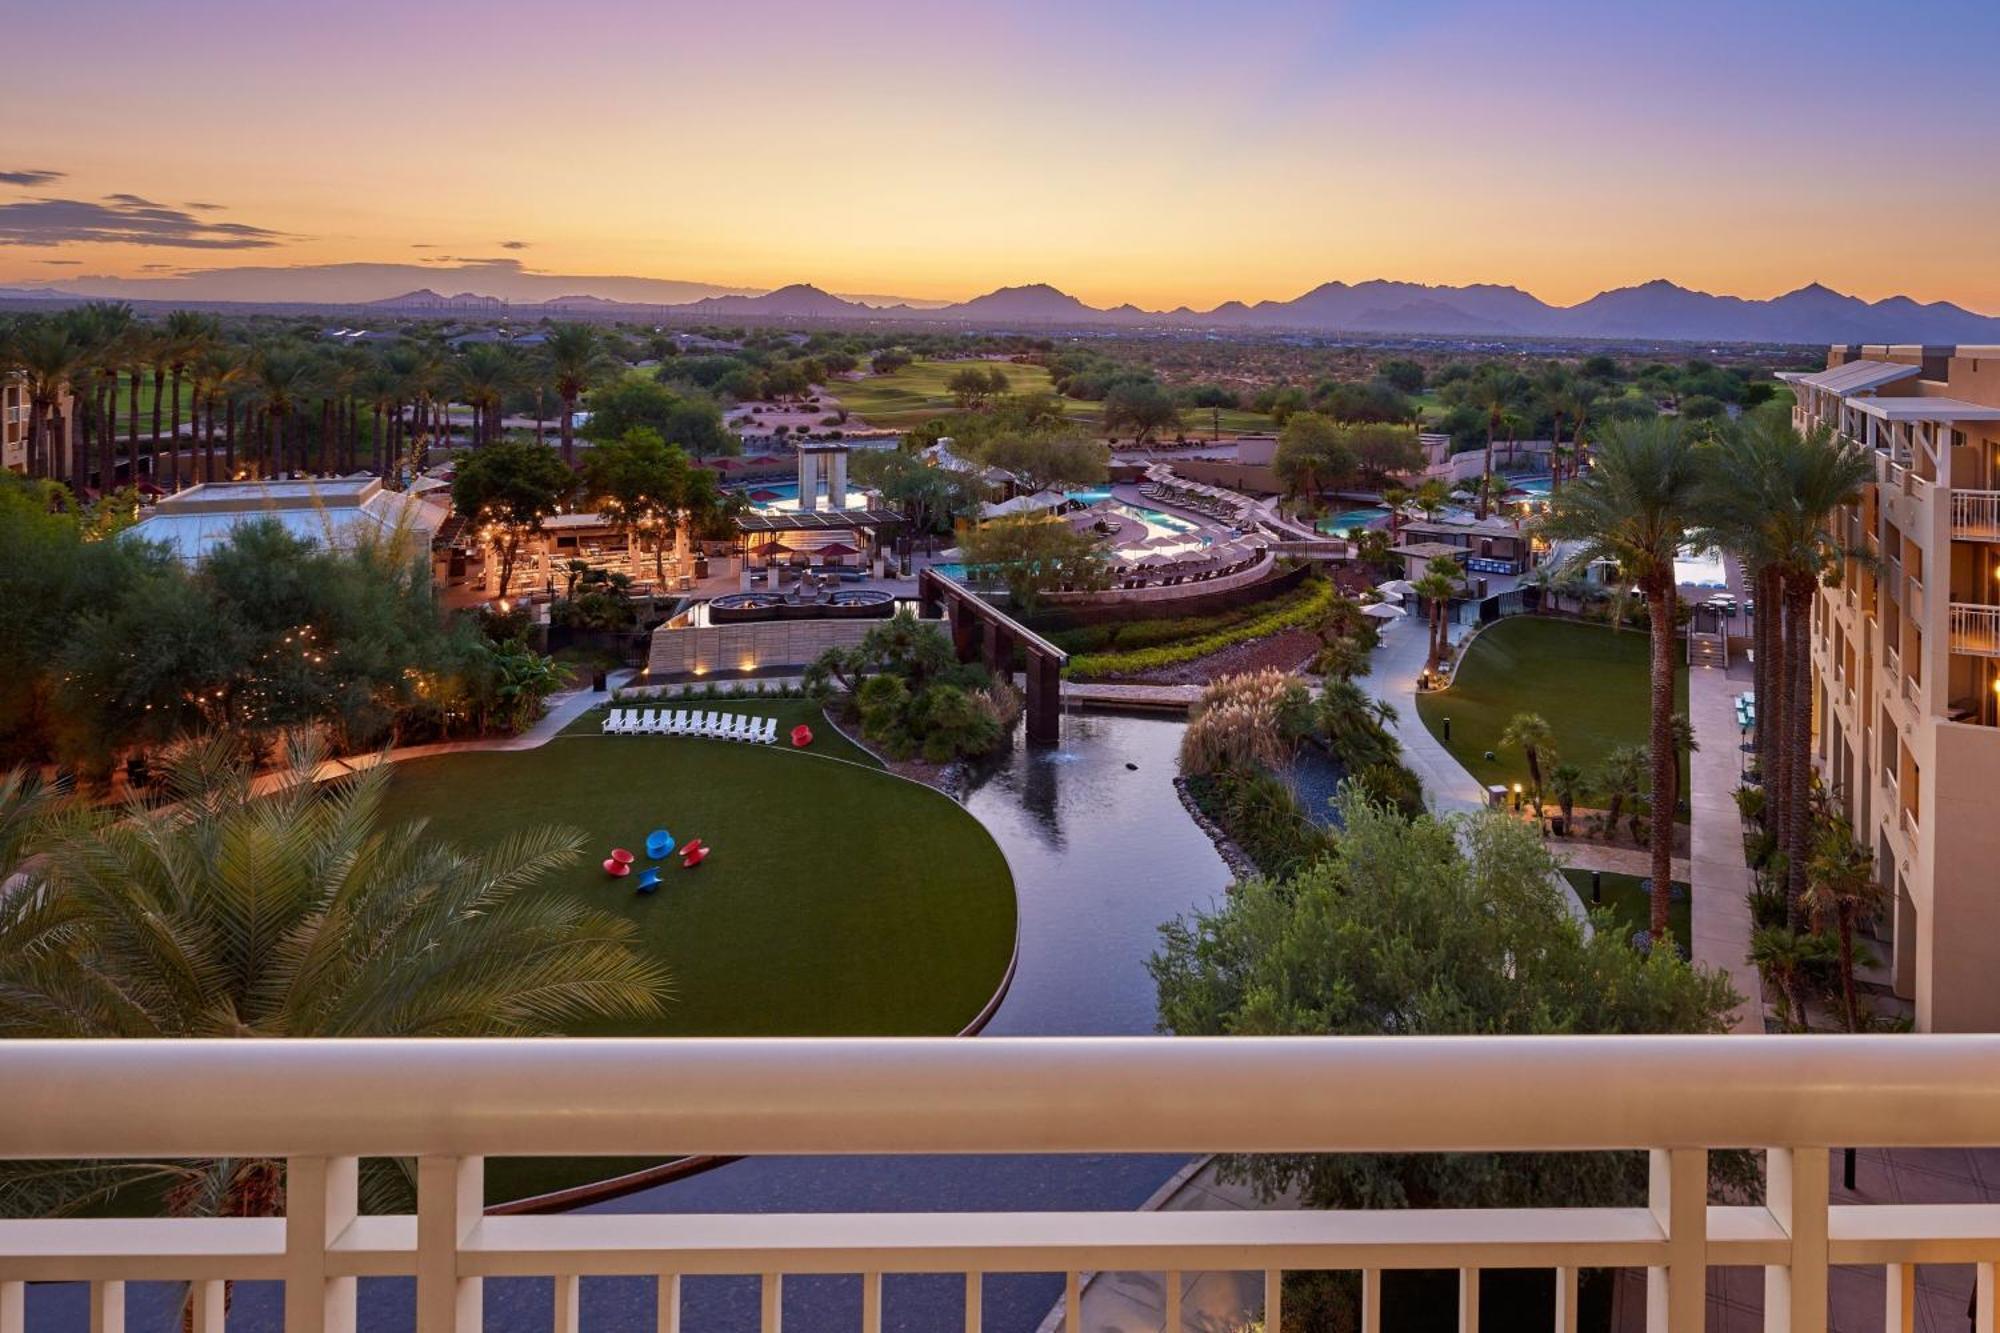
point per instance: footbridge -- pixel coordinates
(981, 631)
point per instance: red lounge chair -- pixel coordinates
(695, 856)
(802, 736)
(623, 857)
(615, 868)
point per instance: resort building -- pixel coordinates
(15, 408)
(341, 512)
(1906, 660)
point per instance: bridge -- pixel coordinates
(981, 631)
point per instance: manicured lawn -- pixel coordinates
(839, 900)
(1629, 904)
(1588, 682)
(916, 393)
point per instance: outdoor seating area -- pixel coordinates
(691, 722)
(1213, 562)
(1164, 487)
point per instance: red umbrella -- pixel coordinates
(772, 547)
(838, 548)
(765, 497)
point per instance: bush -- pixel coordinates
(1389, 783)
(1263, 815)
(1283, 615)
(1245, 723)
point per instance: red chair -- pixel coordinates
(695, 856)
(623, 857)
(802, 736)
(616, 868)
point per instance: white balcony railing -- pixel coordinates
(1975, 515)
(449, 1105)
(1975, 629)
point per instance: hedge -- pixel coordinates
(1312, 603)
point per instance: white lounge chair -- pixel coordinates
(768, 732)
(678, 724)
(614, 721)
(627, 723)
(649, 722)
(745, 727)
(696, 719)
(727, 731)
(716, 724)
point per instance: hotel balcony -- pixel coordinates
(1975, 630)
(323, 1105)
(1975, 515)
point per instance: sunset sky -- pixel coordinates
(1160, 153)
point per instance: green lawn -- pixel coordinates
(1629, 904)
(916, 393)
(1587, 681)
(839, 900)
(146, 403)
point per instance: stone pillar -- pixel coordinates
(836, 480)
(1044, 710)
(808, 481)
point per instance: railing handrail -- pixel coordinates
(126, 1099)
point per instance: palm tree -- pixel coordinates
(294, 910)
(577, 362)
(1431, 498)
(1535, 739)
(1566, 781)
(1441, 579)
(281, 378)
(1619, 777)
(1784, 956)
(1491, 393)
(1635, 507)
(50, 358)
(482, 379)
(186, 335)
(1841, 887)
(380, 387)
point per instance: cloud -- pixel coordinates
(31, 176)
(124, 219)
(491, 261)
(513, 245)
(423, 245)
(202, 207)
(154, 268)
(61, 263)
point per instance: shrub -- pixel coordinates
(1245, 723)
(1306, 611)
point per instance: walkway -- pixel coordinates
(1392, 679)
(1721, 880)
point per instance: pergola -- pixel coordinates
(804, 531)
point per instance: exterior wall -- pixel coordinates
(700, 650)
(1922, 789)
(14, 409)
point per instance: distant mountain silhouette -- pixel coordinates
(1654, 310)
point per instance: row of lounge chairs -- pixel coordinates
(691, 722)
(1215, 506)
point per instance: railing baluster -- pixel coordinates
(1795, 1190)
(773, 1294)
(1900, 1293)
(1371, 1300)
(1566, 1300)
(1274, 1299)
(451, 1192)
(13, 1307)
(210, 1306)
(1172, 1288)
(871, 1303)
(568, 1295)
(1677, 1194)
(1468, 1300)
(1072, 1302)
(667, 1304)
(107, 1307)
(974, 1290)
(322, 1196)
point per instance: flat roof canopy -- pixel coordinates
(816, 520)
(1860, 376)
(1928, 409)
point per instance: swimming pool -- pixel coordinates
(1700, 569)
(1342, 524)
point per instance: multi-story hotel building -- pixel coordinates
(1906, 660)
(13, 422)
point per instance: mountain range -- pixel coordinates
(1655, 310)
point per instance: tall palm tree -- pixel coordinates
(1490, 393)
(186, 335)
(50, 359)
(300, 910)
(1431, 498)
(379, 387)
(282, 379)
(577, 362)
(482, 379)
(1635, 507)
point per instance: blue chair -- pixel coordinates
(659, 844)
(649, 882)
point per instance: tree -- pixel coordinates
(1034, 554)
(930, 498)
(1784, 957)
(296, 910)
(1142, 408)
(1384, 450)
(1404, 375)
(691, 421)
(974, 386)
(1313, 455)
(1535, 739)
(1634, 507)
(482, 379)
(1841, 887)
(1046, 459)
(577, 364)
(640, 483)
(508, 489)
(1417, 927)
(1620, 775)
(1491, 394)
(1566, 781)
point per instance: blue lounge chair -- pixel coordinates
(659, 844)
(649, 881)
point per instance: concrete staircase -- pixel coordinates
(1708, 650)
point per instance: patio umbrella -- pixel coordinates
(1396, 587)
(1383, 611)
(1390, 597)
(772, 547)
(765, 497)
(837, 548)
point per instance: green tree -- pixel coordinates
(1634, 507)
(577, 364)
(973, 387)
(1440, 583)
(1417, 927)
(1566, 782)
(1032, 555)
(296, 910)
(1046, 459)
(1841, 888)
(1531, 734)
(1141, 408)
(1313, 455)
(643, 485)
(508, 489)
(689, 420)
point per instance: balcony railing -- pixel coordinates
(1975, 515)
(1975, 629)
(449, 1105)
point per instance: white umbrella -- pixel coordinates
(1383, 611)
(1389, 596)
(1396, 588)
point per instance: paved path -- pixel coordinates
(1392, 678)
(1721, 880)
(1619, 860)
